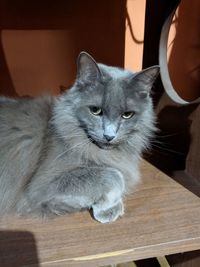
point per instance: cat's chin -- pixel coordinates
(102, 145)
(105, 146)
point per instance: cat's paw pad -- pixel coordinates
(109, 215)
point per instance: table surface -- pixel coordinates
(161, 218)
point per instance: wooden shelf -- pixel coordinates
(161, 218)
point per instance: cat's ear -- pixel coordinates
(87, 68)
(144, 80)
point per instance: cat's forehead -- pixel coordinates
(114, 73)
(113, 96)
(119, 98)
(117, 91)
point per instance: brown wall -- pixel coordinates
(184, 50)
(40, 41)
(135, 18)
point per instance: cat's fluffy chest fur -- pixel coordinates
(55, 155)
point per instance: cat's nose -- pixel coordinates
(109, 137)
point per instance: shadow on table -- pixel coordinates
(18, 248)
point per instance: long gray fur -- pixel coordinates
(54, 157)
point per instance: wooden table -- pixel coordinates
(161, 218)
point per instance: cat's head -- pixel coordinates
(110, 104)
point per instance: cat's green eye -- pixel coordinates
(128, 114)
(95, 110)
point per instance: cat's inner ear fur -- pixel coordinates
(87, 69)
(144, 80)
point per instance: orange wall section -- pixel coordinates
(39, 48)
(39, 44)
(184, 50)
(135, 19)
(38, 61)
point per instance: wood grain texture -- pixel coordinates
(161, 218)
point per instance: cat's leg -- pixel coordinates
(96, 188)
(85, 188)
(104, 210)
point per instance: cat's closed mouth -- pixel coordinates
(102, 145)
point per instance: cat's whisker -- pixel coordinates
(70, 149)
(160, 142)
(168, 135)
(87, 153)
(73, 135)
(168, 150)
(73, 138)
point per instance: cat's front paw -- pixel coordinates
(109, 215)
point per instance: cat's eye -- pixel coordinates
(128, 114)
(95, 110)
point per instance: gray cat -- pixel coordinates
(80, 150)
